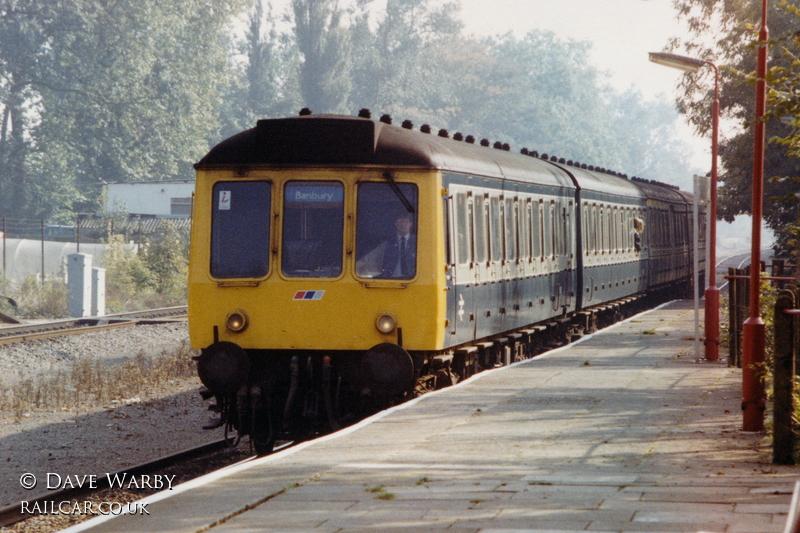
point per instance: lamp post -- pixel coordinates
(690, 64)
(754, 330)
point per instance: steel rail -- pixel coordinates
(76, 326)
(13, 513)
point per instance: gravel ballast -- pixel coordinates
(90, 433)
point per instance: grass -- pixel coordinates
(91, 381)
(380, 492)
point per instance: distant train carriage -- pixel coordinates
(341, 264)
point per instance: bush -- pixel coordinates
(35, 299)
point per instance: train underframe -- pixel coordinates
(290, 396)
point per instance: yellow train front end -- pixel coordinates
(281, 274)
(315, 287)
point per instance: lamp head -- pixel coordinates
(687, 64)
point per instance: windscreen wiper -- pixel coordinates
(402, 197)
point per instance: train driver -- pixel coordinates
(395, 257)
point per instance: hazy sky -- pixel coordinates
(621, 33)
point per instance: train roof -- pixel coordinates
(339, 140)
(334, 140)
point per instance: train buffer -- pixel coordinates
(620, 431)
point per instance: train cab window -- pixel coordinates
(313, 225)
(240, 219)
(386, 231)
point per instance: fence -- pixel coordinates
(785, 350)
(739, 303)
(38, 247)
(785, 367)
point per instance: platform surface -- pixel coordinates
(623, 431)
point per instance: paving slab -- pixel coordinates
(623, 431)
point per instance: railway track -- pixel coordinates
(185, 465)
(75, 326)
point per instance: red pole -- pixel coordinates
(712, 291)
(754, 331)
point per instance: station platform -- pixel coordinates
(622, 431)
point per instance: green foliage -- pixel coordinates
(167, 263)
(325, 46)
(35, 299)
(734, 26)
(105, 91)
(127, 276)
(154, 278)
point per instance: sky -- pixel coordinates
(622, 32)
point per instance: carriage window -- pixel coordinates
(511, 230)
(463, 238)
(313, 223)
(548, 229)
(386, 231)
(240, 229)
(495, 222)
(524, 232)
(538, 221)
(480, 229)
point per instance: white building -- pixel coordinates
(159, 198)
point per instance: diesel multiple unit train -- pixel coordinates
(341, 264)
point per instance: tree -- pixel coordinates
(21, 45)
(265, 82)
(398, 65)
(123, 91)
(732, 26)
(325, 46)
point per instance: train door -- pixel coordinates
(568, 246)
(461, 305)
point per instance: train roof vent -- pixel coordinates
(497, 145)
(444, 133)
(458, 136)
(305, 112)
(470, 139)
(425, 128)
(583, 166)
(524, 151)
(570, 163)
(365, 113)
(407, 124)
(293, 140)
(545, 156)
(506, 147)
(562, 160)
(553, 158)
(386, 119)
(484, 142)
